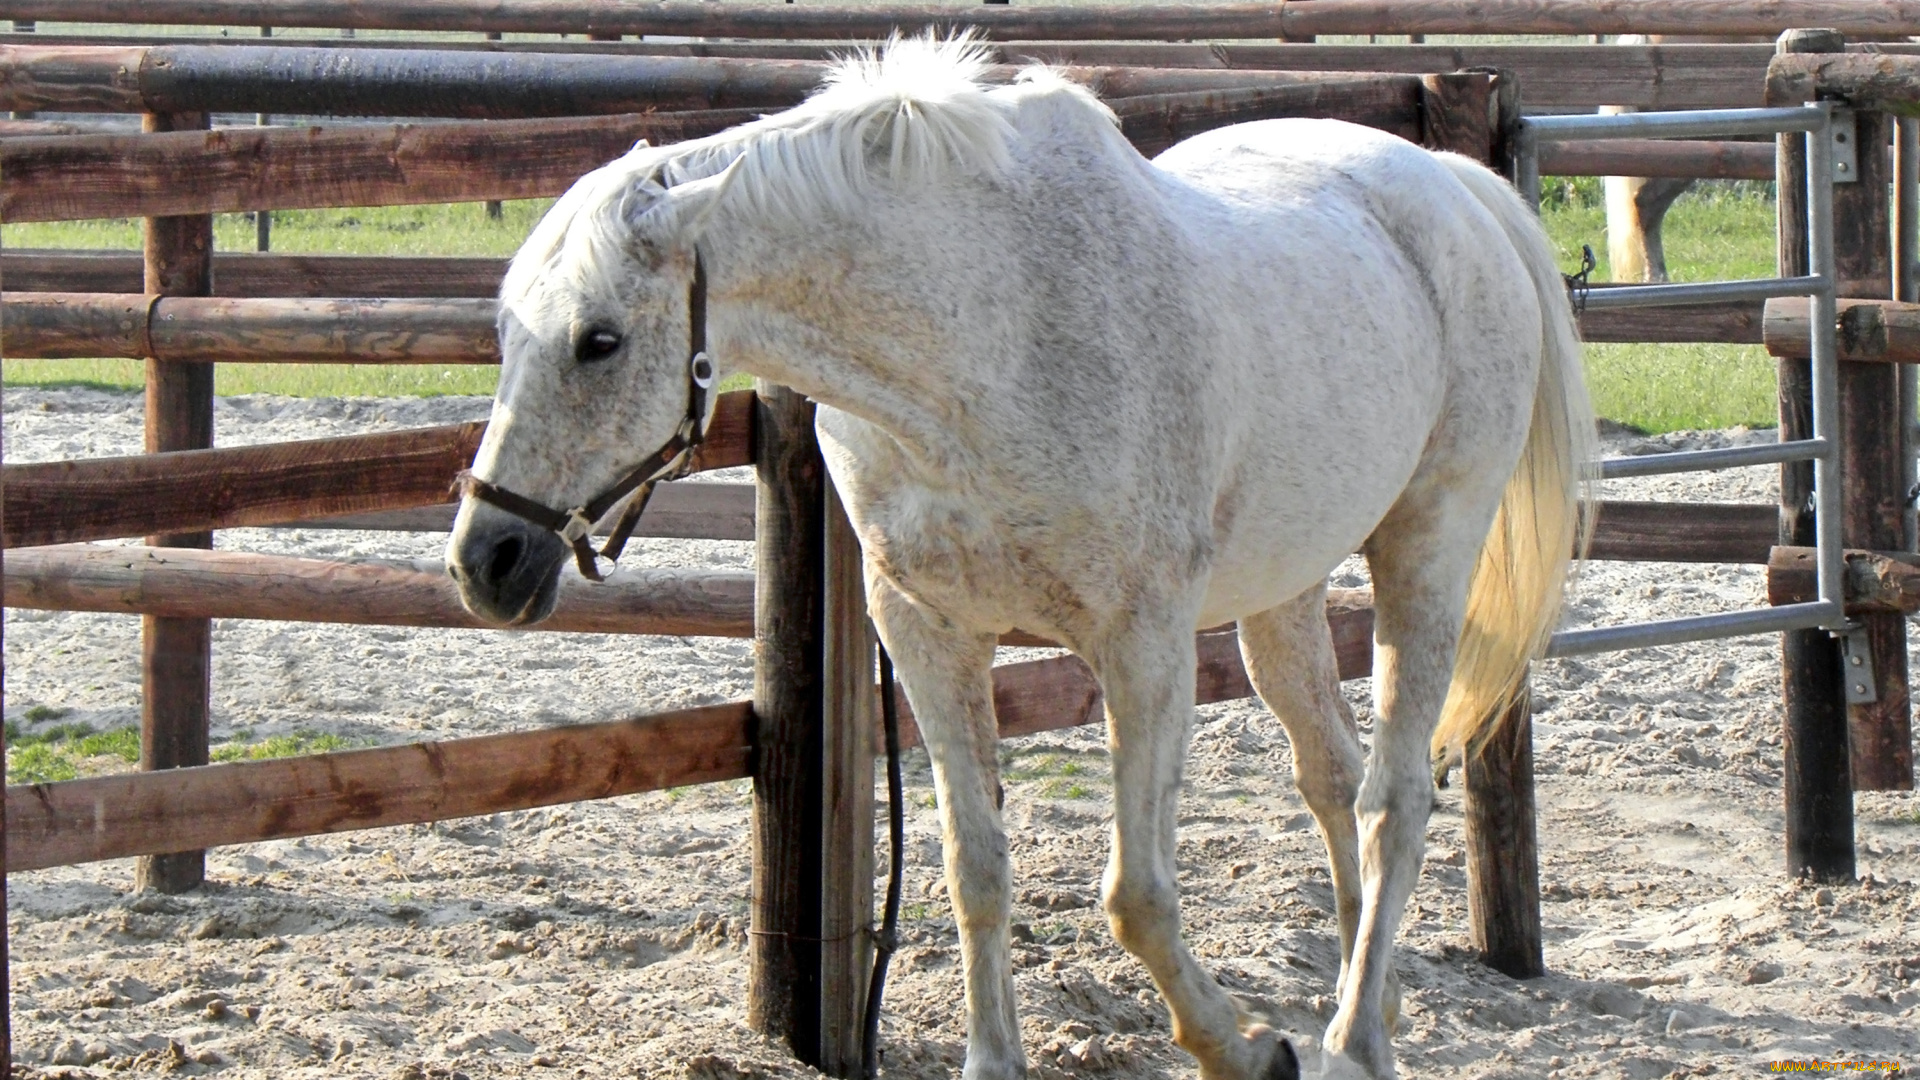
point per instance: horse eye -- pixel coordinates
(597, 343)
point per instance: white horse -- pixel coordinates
(1105, 400)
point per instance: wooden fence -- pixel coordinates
(808, 731)
(1283, 19)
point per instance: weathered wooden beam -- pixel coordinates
(678, 511)
(276, 168)
(1684, 532)
(1882, 82)
(1658, 157)
(248, 274)
(130, 814)
(783, 999)
(1817, 790)
(1877, 581)
(79, 177)
(1666, 76)
(205, 329)
(183, 583)
(1503, 870)
(111, 817)
(105, 498)
(176, 654)
(1046, 695)
(1154, 122)
(1733, 323)
(1886, 331)
(1289, 19)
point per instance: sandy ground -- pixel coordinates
(606, 939)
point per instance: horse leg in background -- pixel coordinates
(1421, 557)
(1147, 674)
(1288, 651)
(1636, 210)
(948, 677)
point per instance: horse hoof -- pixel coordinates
(1282, 1062)
(1341, 1067)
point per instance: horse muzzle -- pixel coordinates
(508, 569)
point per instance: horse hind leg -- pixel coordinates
(948, 677)
(1422, 558)
(1288, 651)
(1147, 675)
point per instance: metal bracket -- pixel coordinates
(1846, 155)
(1856, 666)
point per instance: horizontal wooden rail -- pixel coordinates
(1283, 19)
(53, 326)
(457, 330)
(111, 817)
(1731, 323)
(1685, 532)
(1877, 581)
(1658, 157)
(1884, 331)
(191, 490)
(304, 80)
(249, 273)
(194, 584)
(1667, 76)
(677, 511)
(1629, 531)
(1879, 81)
(1060, 692)
(234, 169)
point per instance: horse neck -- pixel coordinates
(860, 316)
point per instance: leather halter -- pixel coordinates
(670, 462)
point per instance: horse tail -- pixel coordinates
(1544, 522)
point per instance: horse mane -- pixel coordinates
(913, 111)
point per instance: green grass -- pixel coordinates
(298, 744)
(1716, 232)
(68, 751)
(64, 751)
(1719, 231)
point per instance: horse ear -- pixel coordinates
(681, 213)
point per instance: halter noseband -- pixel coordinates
(670, 462)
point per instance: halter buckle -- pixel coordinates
(578, 525)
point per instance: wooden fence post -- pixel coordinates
(813, 770)
(1874, 454)
(176, 654)
(6, 959)
(1471, 113)
(1503, 860)
(1819, 790)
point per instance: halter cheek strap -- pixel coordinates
(670, 462)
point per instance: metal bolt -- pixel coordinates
(1839, 166)
(1856, 661)
(1860, 688)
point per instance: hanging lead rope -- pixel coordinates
(888, 939)
(1577, 286)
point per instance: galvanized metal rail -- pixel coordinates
(1818, 122)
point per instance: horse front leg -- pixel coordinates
(1148, 679)
(948, 677)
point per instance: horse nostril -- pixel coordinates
(506, 556)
